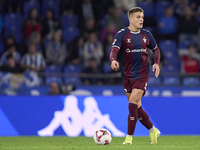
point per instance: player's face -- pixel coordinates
(136, 20)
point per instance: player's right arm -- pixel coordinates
(118, 40)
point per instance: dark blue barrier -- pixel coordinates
(80, 115)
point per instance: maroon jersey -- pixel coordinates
(134, 47)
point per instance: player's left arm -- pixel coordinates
(156, 54)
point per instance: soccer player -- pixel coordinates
(134, 41)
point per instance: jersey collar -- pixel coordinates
(135, 32)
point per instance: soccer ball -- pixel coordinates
(102, 137)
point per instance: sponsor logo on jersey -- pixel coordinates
(135, 50)
(128, 40)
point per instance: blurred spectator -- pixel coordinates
(105, 6)
(89, 28)
(11, 50)
(76, 53)
(35, 38)
(56, 51)
(92, 68)
(85, 9)
(54, 89)
(107, 46)
(49, 25)
(188, 26)
(167, 25)
(13, 6)
(66, 6)
(195, 6)
(33, 60)
(92, 48)
(126, 4)
(110, 29)
(180, 6)
(10, 40)
(11, 65)
(116, 19)
(32, 23)
(20, 47)
(190, 59)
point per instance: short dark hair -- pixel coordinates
(134, 10)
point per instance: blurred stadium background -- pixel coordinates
(54, 48)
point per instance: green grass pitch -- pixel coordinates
(86, 143)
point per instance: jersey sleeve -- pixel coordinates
(152, 44)
(117, 43)
(118, 39)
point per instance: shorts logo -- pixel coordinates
(145, 87)
(125, 90)
(132, 118)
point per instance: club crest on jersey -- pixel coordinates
(145, 40)
(128, 40)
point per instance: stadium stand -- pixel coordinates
(72, 28)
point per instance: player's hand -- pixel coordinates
(115, 65)
(157, 68)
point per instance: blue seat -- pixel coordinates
(28, 5)
(16, 32)
(170, 68)
(106, 67)
(169, 51)
(125, 19)
(70, 34)
(184, 44)
(72, 70)
(103, 21)
(170, 25)
(153, 81)
(171, 58)
(168, 45)
(46, 43)
(171, 81)
(49, 80)
(191, 81)
(148, 8)
(13, 21)
(53, 69)
(51, 4)
(160, 7)
(69, 21)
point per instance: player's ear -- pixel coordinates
(130, 19)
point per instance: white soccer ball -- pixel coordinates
(102, 137)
